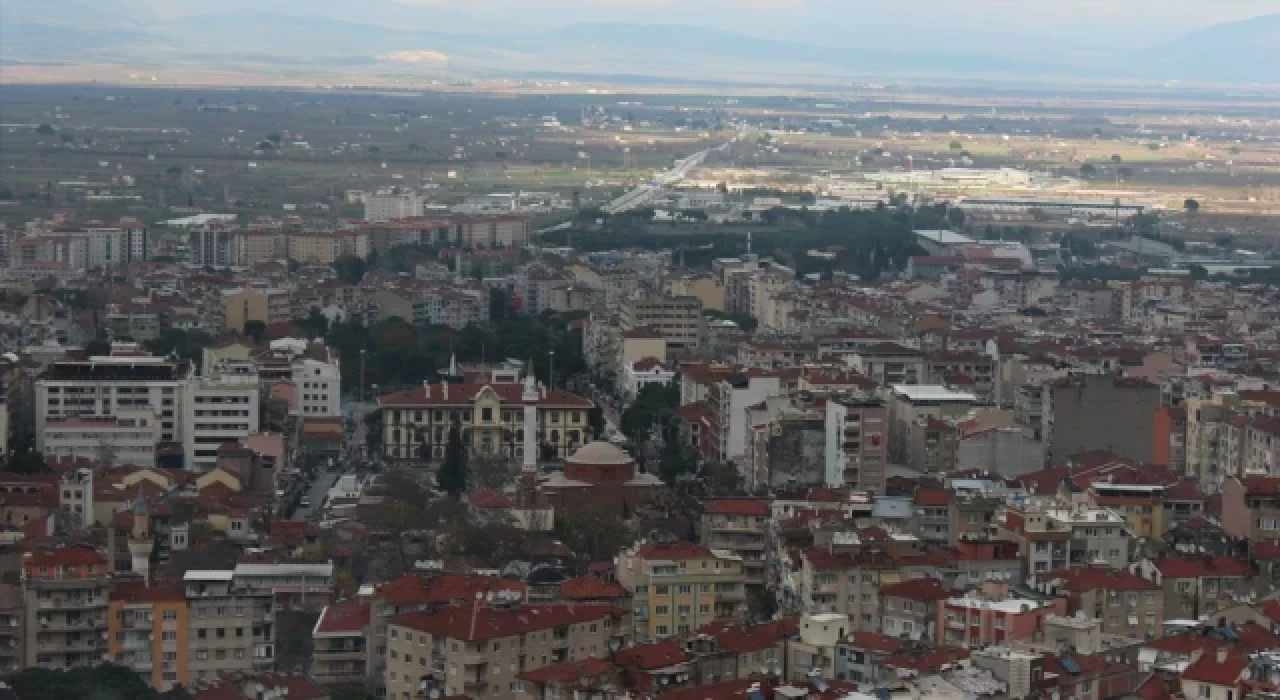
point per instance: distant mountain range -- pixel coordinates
(1238, 52)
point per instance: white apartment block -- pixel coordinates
(129, 437)
(219, 408)
(116, 246)
(319, 387)
(385, 207)
(111, 386)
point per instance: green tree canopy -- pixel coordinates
(452, 478)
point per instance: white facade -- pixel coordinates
(385, 207)
(113, 247)
(108, 386)
(220, 408)
(127, 438)
(319, 387)
(638, 375)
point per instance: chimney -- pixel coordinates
(426, 389)
(444, 389)
(1222, 655)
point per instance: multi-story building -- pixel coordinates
(1095, 413)
(481, 649)
(128, 437)
(847, 583)
(213, 246)
(106, 386)
(219, 408)
(243, 304)
(680, 587)
(678, 320)
(147, 632)
(386, 207)
(911, 609)
(341, 644)
(994, 616)
(1169, 438)
(12, 629)
(231, 626)
(727, 401)
(915, 413)
(976, 370)
(1124, 603)
(319, 385)
(890, 364)
(489, 231)
(738, 525)
(856, 447)
(65, 590)
(1196, 586)
(295, 586)
(324, 247)
(491, 418)
(251, 248)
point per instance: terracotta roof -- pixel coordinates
(446, 588)
(738, 506)
(1208, 669)
(488, 498)
(591, 588)
(345, 617)
(876, 641)
(1185, 490)
(647, 657)
(569, 672)
(1262, 485)
(1089, 578)
(477, 621)
(465, 394)
(917, 589)
(929, 662)
(136, 592)
(64, 556)
(1196, 567)
(747, 639)
(932, 497)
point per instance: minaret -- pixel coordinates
(527, 490)
(140, 542)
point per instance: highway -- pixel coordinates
(642, 194)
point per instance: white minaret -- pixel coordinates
(530, 398)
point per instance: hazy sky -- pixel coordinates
(987, 25)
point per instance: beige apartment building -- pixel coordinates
(256, 247)
(230, 625)
(739, 525)
(680, 587)
(65, 590)
(244, 304)
(482, 648)
(323, 247)
(678, 319)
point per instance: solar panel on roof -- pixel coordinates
(1070, 664)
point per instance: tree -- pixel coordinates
(955, 216)
(1191, 206)
(25, 462)
(957, 146)
(1115, 158)
(105, 682)
(45, 130)
(1088, 170)
(452, 478)
(266, 146)
(274, 138)
(173, 171)
(1199, 273)
(256, 330)
(350, 268)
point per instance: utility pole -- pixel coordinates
(551, 369)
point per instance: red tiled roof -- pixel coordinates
(488, 498)
(1089, 578)
(64, 556)
(477, 621)
(136, 592)
(1185, 490)
(1262, 485)
(1208, 669)
(465, 394)
(917, 589)
(647, 657)
(1195, 567)
(1267, 551)
(345, 617)
(1271, 608)
(569, 672)
(928, 662)
(932, 497)
(678, 550)
(876, 641)
(742, 640)
(1158, 687)
(738, 506)
(591, 588)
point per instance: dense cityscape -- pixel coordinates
(452, 384)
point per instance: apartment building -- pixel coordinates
(847, 583)
(324, 247)
(1195, 586)
(911, 609)
(856, 443)
(917, 411)
(251, 248)
(12, 628)
(482, 648)
(212, 246)
(386, 207)
(678, 320)
(131, 387)
(230, 624)
(147, 632)
(243, 304)
(1102, 412)
(219, 408)
(680, 587)
(994, 616)
(295, 586)
(128, 437)
(1123, 603)
(890, 364)
(727, 401)
(341, 644)
(319, 386)
(65, 591)
(740, 526)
